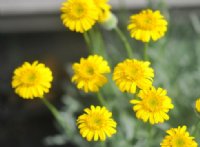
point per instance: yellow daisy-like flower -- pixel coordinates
(79, 15)
(178, 137)
(147, 25)
(32, 80)
(131, 73)
(89, 73)
(104, 10)
(197, 105)
(96, 124)
(153, 105)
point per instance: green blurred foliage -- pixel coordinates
(175, 59)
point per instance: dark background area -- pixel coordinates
(25, 123)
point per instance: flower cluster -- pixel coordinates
(90, 75)
(81, 15)
(129, 74)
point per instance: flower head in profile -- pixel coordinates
(132, 73)
(89, 73)
(178, 137)
(79, 15)
(32, 80)
(96, 124)
(147, 25)
(103, 9)
(197, 105)
(152, 106)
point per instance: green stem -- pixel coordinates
(87, 40)
(53, 110)
(56, 114)
(102, 46)
(101, 99)
(125, 41)
(145, 52)
(149, 134)
(97, 42)
(195, 128)
(103, 144)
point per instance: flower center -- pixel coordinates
(179, 142)
(132, 73)
(90, 71)
(78, 10)
(152, 104)
(30, 78)
(95, 123)
(146, 23)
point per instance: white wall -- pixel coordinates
(43, 6)
(14, 13)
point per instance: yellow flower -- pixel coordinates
(153, 105)
(96, 124)
(89, 73)
(104, 10)
(197, 105)
(79, 15)
(131, 73)
(178, 137)
(32, 80)
(147, 25)
(104, 15)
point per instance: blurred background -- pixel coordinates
(32, 30)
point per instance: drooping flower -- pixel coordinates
(197, 105)
(96, 124)
(152, 106)
(79, 15)
(32, 80)
(89, 73)
(147, 25)
(104, 10)
(132, 73)
(178, 137)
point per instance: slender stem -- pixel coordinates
(149, 134)
(96, 41)
(102, 45)
(145, 51)
(125, 41)
(56, 114)
(101, 99)
(51, 108)
(87, 40)
(103, 144)
(195, 128)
